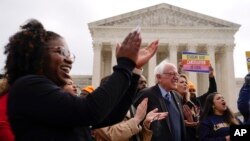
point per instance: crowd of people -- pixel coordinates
(40, 102)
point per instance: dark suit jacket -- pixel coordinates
(161, 129)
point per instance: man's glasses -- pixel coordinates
(64, 52)
(172, 74)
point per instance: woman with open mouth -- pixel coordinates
(216, 119)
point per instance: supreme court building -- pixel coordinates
(178, 30)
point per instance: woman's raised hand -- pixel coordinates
(130, 48)
(146, 53)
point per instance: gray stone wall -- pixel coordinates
(82, 80)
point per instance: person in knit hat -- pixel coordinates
(192, 93)
(191, 87)
(87, 90)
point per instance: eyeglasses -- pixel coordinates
(64, 52)
(172, 74)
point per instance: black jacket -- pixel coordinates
(200, 100)
(39, 110)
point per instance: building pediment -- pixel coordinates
(164, 15)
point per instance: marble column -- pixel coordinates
(211, 53)
(173, 47)
(151, 67)
(229, 78)
(96, 77)
(193, 75)
(113, 56)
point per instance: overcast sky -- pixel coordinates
(69, 18)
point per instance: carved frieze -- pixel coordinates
(163, 17)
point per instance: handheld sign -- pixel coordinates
(195, 62)
(248, 60)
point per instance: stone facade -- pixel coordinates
(178, 30)
(82, 80)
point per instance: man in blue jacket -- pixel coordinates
(244, 100)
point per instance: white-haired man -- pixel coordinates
(161, 96)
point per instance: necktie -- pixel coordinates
(168, 97)
(171, 108)
(174, 117)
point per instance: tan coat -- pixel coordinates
(122, 131)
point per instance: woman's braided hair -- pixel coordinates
(26, 50)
